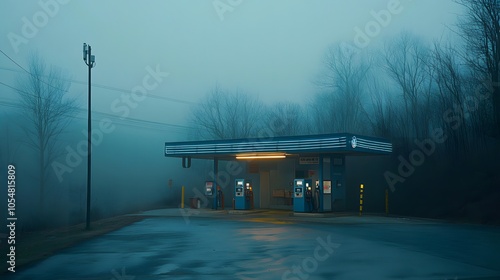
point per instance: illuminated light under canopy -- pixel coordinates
(262, 156)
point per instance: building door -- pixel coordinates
(264, 189)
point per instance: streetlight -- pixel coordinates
(90, 61)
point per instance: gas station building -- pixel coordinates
(300, 173)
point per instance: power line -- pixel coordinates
(170, 99)
(110, 115)
(13, 61)
(116, 119)
(148, 94)
(129, 121)
(24, 92)
(11, 87)
(97, 85)
(35, 76)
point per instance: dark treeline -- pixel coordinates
(438, 102)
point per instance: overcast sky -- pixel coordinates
(269, 48)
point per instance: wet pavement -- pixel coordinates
(173, 244)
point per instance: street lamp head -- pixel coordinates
(85, 49)
(92, 59)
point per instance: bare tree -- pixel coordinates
(383, 115)
(227, 115)
(406, 63)
(452, 90)
(48, 111)
(480, 28)
(285, 119)
(324, 114)
(340, 106)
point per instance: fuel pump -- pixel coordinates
(309, 197)
(248, 196)
(209, 192)
(316, 197)
(327, 196)
(298, 194)
(243, 194)
(239, 194)
(209, 188)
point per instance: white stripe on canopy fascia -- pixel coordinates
(317, 145)
(300, 140)
(264, 143)
(304, 144)
(248, 146)
(263, 146)
(250, 143)
(184, 151)
(372, 142)
(324, 145)
(374, 148)
(278, 144)
(259, 147)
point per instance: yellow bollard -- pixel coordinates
(182, 197)
(361, 199)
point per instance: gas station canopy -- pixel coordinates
(280, 147)
(309, 149)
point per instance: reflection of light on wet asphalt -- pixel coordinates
(264, 234)
(268, 220)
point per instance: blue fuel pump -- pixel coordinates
(302, 195)
(243, 194)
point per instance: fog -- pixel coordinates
(278, 54)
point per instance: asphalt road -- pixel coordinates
(269, 246)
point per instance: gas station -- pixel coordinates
(299, 173)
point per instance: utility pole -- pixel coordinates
(90, 61)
